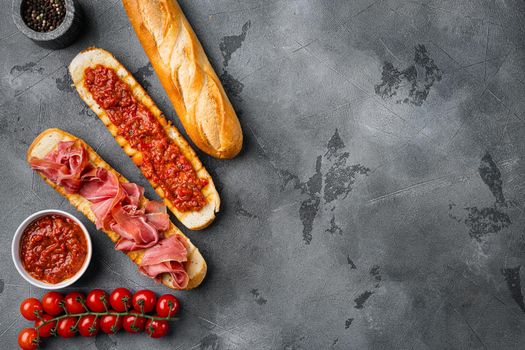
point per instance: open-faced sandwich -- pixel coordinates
(140, 128)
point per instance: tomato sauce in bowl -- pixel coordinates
(53, 248)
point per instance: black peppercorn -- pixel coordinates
(43, 15)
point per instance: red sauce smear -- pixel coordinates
(163, 163)
(53, 248)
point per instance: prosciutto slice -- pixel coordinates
(157, 215)
(167, 257)
(134, 229)
(117, 207)
(104, 191)
(64, 166)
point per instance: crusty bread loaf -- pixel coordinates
(48, 140)
(92, 57)
(187, 76)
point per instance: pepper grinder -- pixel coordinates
(59, 37)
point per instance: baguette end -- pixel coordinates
(184, 70)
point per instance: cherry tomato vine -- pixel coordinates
(75, 313)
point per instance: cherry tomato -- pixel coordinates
(110, 324)
(120, 299)
(156, 328)
(167, 305)
(28, 339)
(73, 306)
(66, 327)
(30, 307)
(133, 323)
(45, 331)
(51, 303)
(145, 297)
(88, 326)
(97, 300)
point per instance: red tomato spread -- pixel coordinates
(53, 248)
(162, 161)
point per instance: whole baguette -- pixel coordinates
(48, 140)
(187, 76)
(92, 57)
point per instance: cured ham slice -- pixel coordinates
(104, 191)
(179, 276)
(134, 229)
(171, 248)
(64, 166)
(167, 257)
(157, 215)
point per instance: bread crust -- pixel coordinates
(91, 57)
(48, 140)
(187, 75)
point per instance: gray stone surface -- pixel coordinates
(378, 202)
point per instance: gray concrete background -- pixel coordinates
(378, 202)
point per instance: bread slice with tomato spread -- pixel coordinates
(47, 142)
(94, 58)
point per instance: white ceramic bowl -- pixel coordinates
(15, 251)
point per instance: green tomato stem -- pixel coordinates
(99, 314)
